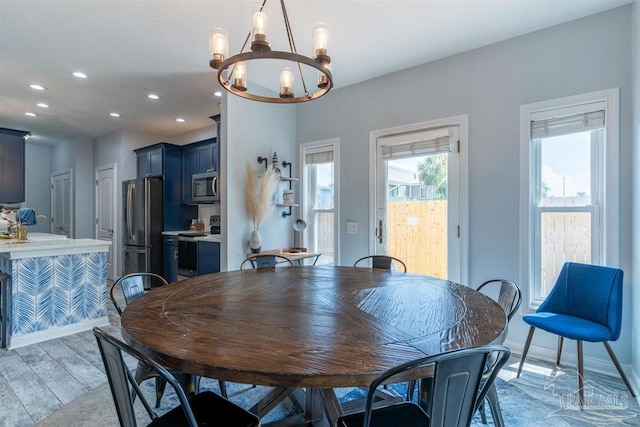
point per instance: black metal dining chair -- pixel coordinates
(385, 262)
(265, 261)
(202, 409)
(458, 382)
(508, 296)
(132, 286)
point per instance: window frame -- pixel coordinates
(306, 211)
(606, 170)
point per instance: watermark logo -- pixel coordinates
(601, 405)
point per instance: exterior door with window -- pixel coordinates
(417, 197)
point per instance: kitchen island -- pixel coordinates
(54, 287)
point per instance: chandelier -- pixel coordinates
(233, 71)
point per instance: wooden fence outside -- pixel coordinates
(417, 234)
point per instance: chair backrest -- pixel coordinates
(385, 262)
(590, 292)
(120, 379)
(265, 261)
(505, 292)
(133, 285)
(460, 382)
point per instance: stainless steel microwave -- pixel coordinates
(204, 187)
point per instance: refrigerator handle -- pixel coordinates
(214, 186)
(128, 208)
(147, 206)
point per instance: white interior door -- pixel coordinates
(62, 203)
(106, 213)
(417, 199)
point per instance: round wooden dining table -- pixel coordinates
(313, 327)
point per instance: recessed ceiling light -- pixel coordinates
(42, 105)
(114, 114)
(179, 120)
(30, 114)
(79, 74)
(217, 93)
(153, 96)
(37, 87)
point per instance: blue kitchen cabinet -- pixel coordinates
(206, 157)
(170, 258)
(150, 162)
(188, 169)
(12, 165)
(208, 257)
(165, 160)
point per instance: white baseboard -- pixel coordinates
(49, 334)
(601, 366)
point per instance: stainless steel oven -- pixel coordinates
(187, 256)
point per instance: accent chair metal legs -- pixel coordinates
(580, 357)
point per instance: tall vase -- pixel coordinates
(255, 242)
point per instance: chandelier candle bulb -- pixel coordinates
(286, 83)
(239, 79)
(260, 28)
(321, 43)
(218, 47)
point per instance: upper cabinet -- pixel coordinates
(150, 161)
(12, 165)
(207, 157)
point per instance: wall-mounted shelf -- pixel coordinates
(289, 179)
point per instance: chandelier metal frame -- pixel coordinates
(263, 51)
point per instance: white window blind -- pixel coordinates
(319, 156)
(565, 125)
(423, 143)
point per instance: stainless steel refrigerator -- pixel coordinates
(142, 215)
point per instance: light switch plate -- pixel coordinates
(352, 227)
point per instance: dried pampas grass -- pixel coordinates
(258, 193)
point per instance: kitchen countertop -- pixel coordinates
(206, 238)
(45, 244)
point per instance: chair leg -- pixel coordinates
(160, 387)
(614, 359)
(483, 413)
(223, 389)
(526, 349)
(494, 406)
(560, 342)
(580, 375)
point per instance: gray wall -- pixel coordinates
(251, 129)
(636, 185)
(489, 84)
(77, 155)
(38, 184)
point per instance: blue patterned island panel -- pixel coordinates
(55, 291)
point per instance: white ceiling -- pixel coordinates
(132, 47)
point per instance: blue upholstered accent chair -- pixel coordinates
(585, 304)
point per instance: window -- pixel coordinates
(569, 187)
(319, 199)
